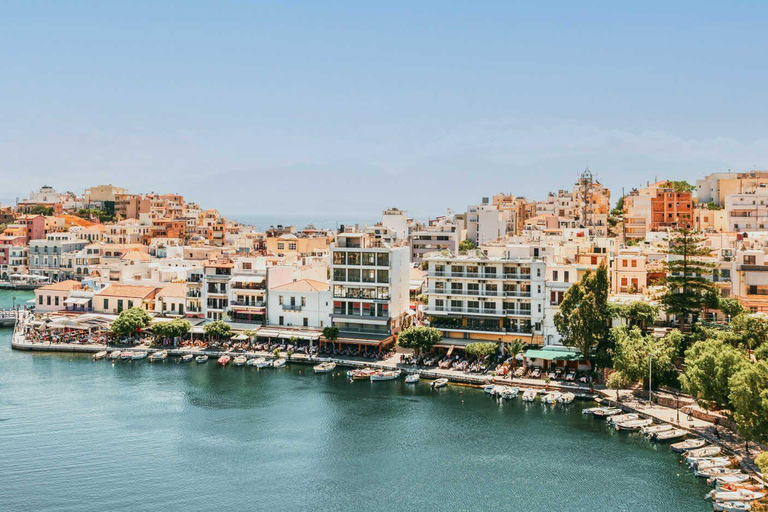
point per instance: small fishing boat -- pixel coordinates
(115, 354)
(529, 395)
(633, 425)
(126, 356)
(324, 367)
(713, 462)
(705, 451)
(567, 398)
(439, 383)
(604, 412)
(240, 360)
(738, 486)
(669, 435)
(735, 477)
(386, 375)
(412, 378)
(362, 374)
(551, 398)
(716, 472)
(139, 354)
(160, 355)
(488, 388)
(223, 360)
(510, 393)
(590, 410)
(655, 429)
(99, 355)
(740, 495)
(688, 444)
(186, 358)
(261, 362)
(278, 363)
(733, 506)
(622, 417)
(201, 359)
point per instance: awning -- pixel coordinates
(78, 301)
(248, 279)
(239, 337)
(286, 335)
(197, 330)
(554, 354)
(268, 333)
(450, 350)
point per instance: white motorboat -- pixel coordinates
(509, 393)
(732, 506)
(412, 378)
(688, 444)
(622, 417)
(604, 412)
(551, 398)
(567, 398)
(139, 354)
(325, 367)
(716, 472)
(529, 395)
(158, 356)
(186, 358)
(115, 354)
(439, 383)
(739, 495)
(655, 429)
(261, 362)
(278, 363)
(489, 388)
(386, 375)
(126, 355)
(713, 462)
(201, 359)
(100, 355)
(669, 435)
(240, 360)
(633, 425)
(705, 451)
(735, 478)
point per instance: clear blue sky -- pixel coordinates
(333, 107)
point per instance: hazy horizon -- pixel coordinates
(344, 110)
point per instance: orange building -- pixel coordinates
(672, 207)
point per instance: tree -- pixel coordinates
(681, 187)
(513, 348)
(731, 307)
(481, 350)
(634, 351)
(637, 313)
(618, 211)
(583, 317)
(218, 330)
(331, 334)
(42, 210)
(467, 245)
(750, 330)
(709, 366)
(762, 462)
(749, 401)
(761, 353)
(617, 380)
(686, 284)
(419, 338)
(130, 321)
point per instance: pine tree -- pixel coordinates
(686, 283)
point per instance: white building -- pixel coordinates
(485, 223)
(302, 303)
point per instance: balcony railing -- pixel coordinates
(479, 311)
(247, 303)
(476, 293)
(478, 275)
(292, 307)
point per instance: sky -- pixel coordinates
(341, 108)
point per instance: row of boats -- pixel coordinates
(734, 490)
(162, 355)
(529, 395)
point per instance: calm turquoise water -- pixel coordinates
(93, 436)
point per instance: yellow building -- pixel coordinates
(293, 245)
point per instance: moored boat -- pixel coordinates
(326, 367)
(278, 363)
(186, 358)
(386, 375)
(732, 506)
(567, 398)
(633, 425)
(740, 495)
(223, 360)
(201, 358)
(604, 412)
(439, 383)
(618, 418)
(688, 444)
(160, 355)
(412, 378)
(529, 395)
(655, 429)
(100, 355)
(488, 388)
(551, 398)
(361, 374)
(704, 451)
(115, 354)
(734, 476)
(669, 435)
(261, 362)
(139, 354)
(509, 393)
(711, 462)
(127, 355)
(240, 360)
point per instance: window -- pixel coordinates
(280, 246)
(106, 304)
(634, 263)
(554, 275)
(130, 304)
(306, 322)
(292, 246)
(280, 299)
(566, 276)
(48, 300)
(303, 301)
(281, 320)
(56, 300)
(40, 300)
(247, 265)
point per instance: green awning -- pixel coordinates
(554, 354)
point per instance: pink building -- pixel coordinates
(34, 226)
(6, 242)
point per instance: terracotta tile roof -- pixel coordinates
(63, 286)
(135, 255)
(173, 290)
(304, 285)
(125, 290)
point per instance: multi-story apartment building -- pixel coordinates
(442, 234)
(215, 289)
(290, 244)
(560, 277)
(657, 207)
(748, 211)
(486, 223)
(750, 279)
(302, 303)
(370, 285)
(194, 291)
(474, 297)
(717, 186)
(629, 271)
(45, 256)
(248, 291)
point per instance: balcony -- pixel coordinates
(193, 293)
(292, 307)
(246, 303)
(477, 275)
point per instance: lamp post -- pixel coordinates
(650, 364)
(14, 302)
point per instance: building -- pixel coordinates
(215, 289)
(52, 297)
(658, 207)
(290, 244)
(118, 297)
(629, 271)
(45, 256)
(474, 298)
(486, 223)
(370, 285)
(747, 211)
(717, 186)
(442, 234)
(302, 303)
(171, 300)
